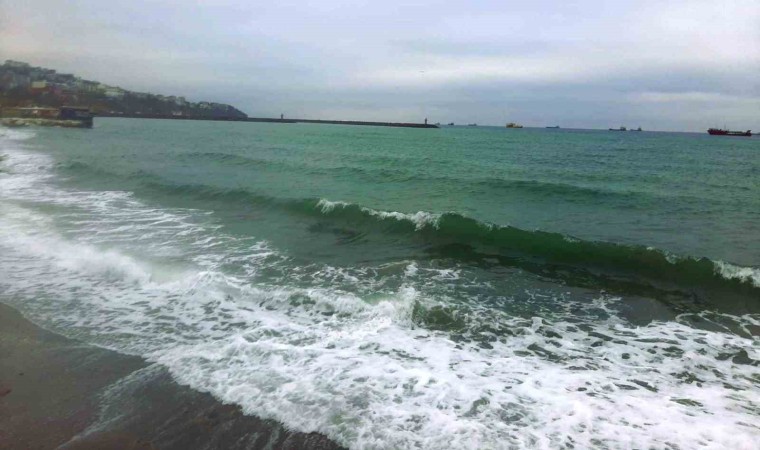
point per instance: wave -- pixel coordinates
(745, 274)
(420, 219)
(383, 175)
(604, 259)
(319, 359)
(239, 160)
(565, 190)
(629, 268)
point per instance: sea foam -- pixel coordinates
(730, 271)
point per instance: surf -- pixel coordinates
(641, 269)
(489, 336)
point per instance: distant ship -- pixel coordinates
(619, 129)
(555, 126)
(472, 125)
(637, 129)
(722, 132)
(514, 125)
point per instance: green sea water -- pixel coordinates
(459, 287)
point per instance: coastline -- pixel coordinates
(86, 397)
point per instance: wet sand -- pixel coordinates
(59, 393)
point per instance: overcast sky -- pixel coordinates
(667, 64)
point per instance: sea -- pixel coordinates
(394, 288)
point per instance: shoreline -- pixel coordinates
(86, 397)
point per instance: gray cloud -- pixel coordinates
(676, 65)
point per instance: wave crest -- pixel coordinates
(420, 219)
(552, 253)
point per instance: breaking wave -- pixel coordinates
(551, 248)
(615, 266)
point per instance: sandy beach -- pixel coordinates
(59, 393)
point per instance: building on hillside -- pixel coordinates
(40, 86)
(86, 86)
(114, 92)
(33, 112)
(10, 80)
(64, 78)
(16, 64)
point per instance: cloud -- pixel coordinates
(594, 61)
(691, 97)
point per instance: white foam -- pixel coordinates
(730, 271)
(420, 219)
(16, 134)
(78, 257)
(328, 206)
(669, 257)
(411, 269)
(381, 385)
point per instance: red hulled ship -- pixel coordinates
(722, 132)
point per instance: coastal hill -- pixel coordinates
(22, 84)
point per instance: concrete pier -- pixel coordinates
(275, 120)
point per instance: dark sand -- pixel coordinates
(59, 393)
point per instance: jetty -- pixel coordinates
(281, 119)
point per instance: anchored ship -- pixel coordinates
(724, 132)
(514, 125)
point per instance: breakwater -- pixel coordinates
(274, 120)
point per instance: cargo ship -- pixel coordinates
(514, 125)
(723, 132)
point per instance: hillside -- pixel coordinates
(22, 84)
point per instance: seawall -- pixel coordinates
(274, 120)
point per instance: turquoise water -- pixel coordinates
(401, 288)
